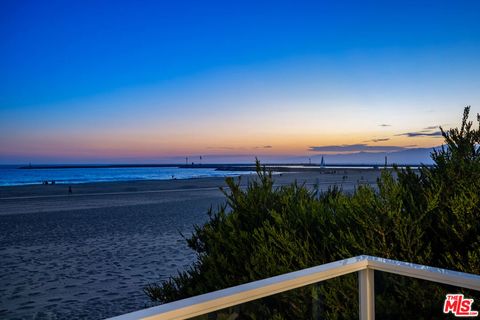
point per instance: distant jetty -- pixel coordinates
(280, 167)
(98, 166)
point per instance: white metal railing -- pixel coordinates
(364, 265)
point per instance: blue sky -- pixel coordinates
(98, 81)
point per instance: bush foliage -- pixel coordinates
(428, 216)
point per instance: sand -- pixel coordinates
(87, 255)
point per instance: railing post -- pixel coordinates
(366, 294)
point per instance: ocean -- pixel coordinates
(12, 175)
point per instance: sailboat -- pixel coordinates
(322, 163)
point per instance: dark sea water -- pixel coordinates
(12, 175)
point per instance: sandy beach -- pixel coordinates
(88, 254)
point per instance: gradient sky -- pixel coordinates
(155, 81)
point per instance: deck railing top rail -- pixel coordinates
(213, 301)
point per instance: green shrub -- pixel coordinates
(429, 216)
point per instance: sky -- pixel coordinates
(286, 81)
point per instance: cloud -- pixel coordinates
(264, 147)
(378, 140)
(431, 128)
(423, 133)
(349, 148)
(385, 125)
